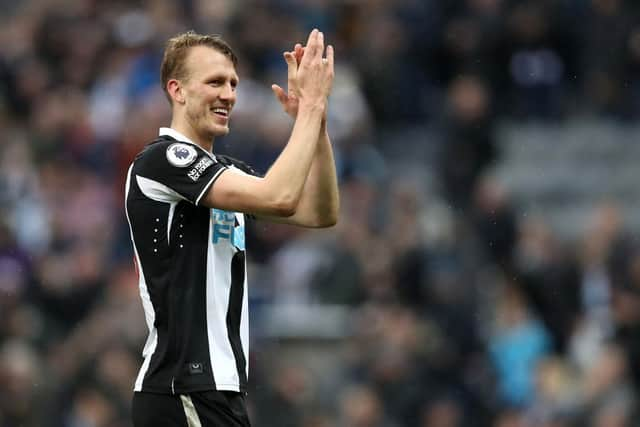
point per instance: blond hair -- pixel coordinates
(177, 48)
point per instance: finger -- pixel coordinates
(292, 67)
(321, 43)
(312, 47)
(312, 36)
(279, 93)
(289, 57)
(319, 47)
(299, 57)
(330, 56)
(299, 51)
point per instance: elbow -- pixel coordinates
(283, 211)
(279, 202)
(284, 207)
(328, 223)
(323, 223)
(328, 220)
(333, 215)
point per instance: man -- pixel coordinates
(185, 208)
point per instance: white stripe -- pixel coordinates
(149, 313)
(223, 363)
(160, 193)
(193, 420)
(147, 352)
(206, 187)
(172, 209)
(157, 191)
(244, 319)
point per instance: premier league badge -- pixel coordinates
(181, 155)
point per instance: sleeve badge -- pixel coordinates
(181, 155)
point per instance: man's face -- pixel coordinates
(209, 91)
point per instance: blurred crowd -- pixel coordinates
(464, 310)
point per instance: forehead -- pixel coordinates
(204, 60)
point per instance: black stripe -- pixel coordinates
(234, 313)
(190, 304)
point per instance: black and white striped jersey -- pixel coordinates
(192, 270)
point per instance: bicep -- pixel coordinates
(237, 191)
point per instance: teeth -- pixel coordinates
(221, 111)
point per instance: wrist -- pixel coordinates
(312, 108)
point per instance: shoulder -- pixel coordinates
(230, 161)
(170, 154)
(174, 152)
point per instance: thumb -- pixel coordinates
(279, 93)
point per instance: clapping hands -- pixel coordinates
(309, 75)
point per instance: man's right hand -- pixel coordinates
(314, 77)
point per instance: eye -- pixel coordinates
(215, 82)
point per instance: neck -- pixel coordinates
(187, 130)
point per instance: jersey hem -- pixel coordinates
(192, 389)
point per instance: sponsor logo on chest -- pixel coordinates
(226, 227)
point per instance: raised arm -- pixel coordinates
(320, 201)
(278, 194)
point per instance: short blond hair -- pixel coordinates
(177, 48)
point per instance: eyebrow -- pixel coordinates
(217, 75)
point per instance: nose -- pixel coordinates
(228, 92)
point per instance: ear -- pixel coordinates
(174, 88)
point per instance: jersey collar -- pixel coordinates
(175, 135)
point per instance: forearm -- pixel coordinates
(320, 201)
(289, 172)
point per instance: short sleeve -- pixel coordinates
(178, 170)
(239, 164)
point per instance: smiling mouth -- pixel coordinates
(221, 112)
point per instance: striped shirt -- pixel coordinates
(191, 268)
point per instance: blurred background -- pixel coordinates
(485, 270)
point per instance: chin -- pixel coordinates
(220, 131)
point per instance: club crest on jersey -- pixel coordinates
(181, 155)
